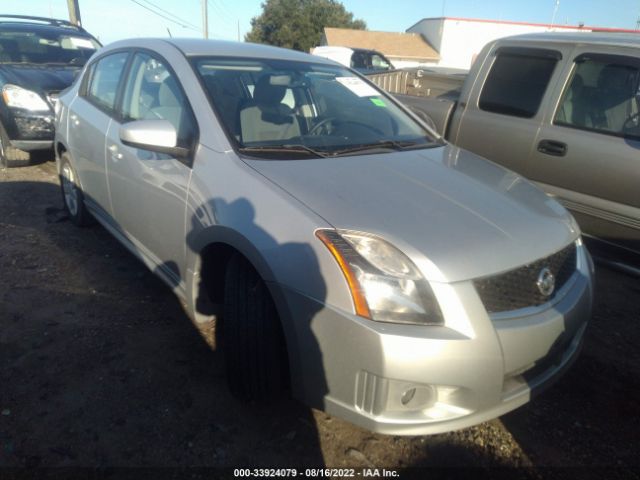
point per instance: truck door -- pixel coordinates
(587, 152)
(503, 113)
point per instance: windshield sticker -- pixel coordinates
(378, 102)
(358, 87)
(81, 42)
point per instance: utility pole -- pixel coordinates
(555, 11)
(205, 20)
(74, 12)
(238, 30)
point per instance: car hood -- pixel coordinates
(455, 214)
(40, 78)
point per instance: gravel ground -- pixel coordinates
(101, 367)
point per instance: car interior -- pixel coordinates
(272, 107)
(602, 96)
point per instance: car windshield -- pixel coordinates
(45, 47)
(271, 107)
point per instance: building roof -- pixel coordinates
(391, 44)
(529, 24)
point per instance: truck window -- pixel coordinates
(602, 96)
(516, 84)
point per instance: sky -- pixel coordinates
(111, 20)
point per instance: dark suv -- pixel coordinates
(39, 57)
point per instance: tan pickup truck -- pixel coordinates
(563, 110)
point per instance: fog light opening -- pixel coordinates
(416, 397)
(407, 396)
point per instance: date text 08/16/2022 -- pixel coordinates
(316, 472)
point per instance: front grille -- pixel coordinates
(517, 288)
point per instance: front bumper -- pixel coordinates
(414, 380)
(30, 131)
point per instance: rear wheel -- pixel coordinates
(72, 196)
(253, 342)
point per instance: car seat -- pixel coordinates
(265, 117)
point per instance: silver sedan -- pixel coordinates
(345, 251)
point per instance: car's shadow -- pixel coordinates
(100, 365)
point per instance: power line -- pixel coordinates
(175, 20)
(223, 8)
(169, 13)
(218, 11)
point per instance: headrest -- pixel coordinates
(614, 77)
(268, 94)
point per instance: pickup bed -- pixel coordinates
(563, 110)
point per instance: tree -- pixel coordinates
(299, 24)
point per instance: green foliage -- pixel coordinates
(299, 24)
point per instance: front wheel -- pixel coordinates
(253, 342)
(72, 195)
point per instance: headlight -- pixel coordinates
(385, 284)
(19, 97)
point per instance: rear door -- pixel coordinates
(588, 149)
(504, 111)
(90, 115)
(148, 189)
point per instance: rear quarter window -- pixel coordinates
(105, 79)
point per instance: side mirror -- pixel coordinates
(153, 135)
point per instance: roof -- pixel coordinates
(39, 24)
(221, 48)
(529, 24)
(596, 38)
(391, 44)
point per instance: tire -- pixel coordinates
(11, 156)
(252, 338)
(72, 196)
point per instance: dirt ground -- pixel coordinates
(100, 367)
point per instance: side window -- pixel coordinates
(516, 84)
(603, 96)
(105, 77)
(153, 92)
(379, 63)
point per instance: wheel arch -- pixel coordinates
(213, 247)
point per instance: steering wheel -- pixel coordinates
(322, 127)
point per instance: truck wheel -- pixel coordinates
(10, 156)
(72, 196)
(252, 338)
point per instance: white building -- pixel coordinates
(459, 40)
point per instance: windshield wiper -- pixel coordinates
(384, 144)
(296, 148)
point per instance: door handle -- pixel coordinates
(552, 147)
